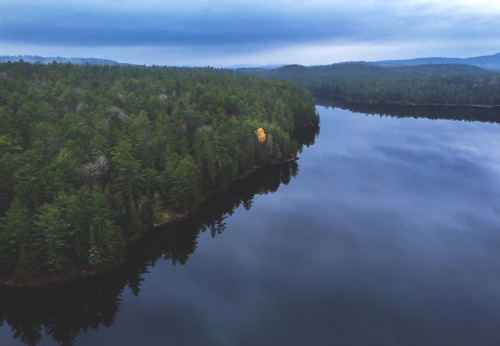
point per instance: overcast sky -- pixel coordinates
(257, 32)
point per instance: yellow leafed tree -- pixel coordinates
(261, 136)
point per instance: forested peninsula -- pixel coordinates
(91, 156)
(444, 84)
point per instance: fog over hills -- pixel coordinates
(47, 60)
(488, 62)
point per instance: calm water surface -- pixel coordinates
(385, 232)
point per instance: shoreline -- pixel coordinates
(170, 216)
(55, 277)
(411, 104)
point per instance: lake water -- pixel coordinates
(385, 232)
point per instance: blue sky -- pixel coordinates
(226, 33)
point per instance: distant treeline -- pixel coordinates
(47, 60)
(431, 112)
(91, 155)
(421, 84)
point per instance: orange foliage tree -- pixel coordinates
(261, 136)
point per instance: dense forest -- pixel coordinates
(421, 84)
(92, 155)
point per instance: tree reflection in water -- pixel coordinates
(64, 311)
(431, 112)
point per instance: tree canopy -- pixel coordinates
(91, 155)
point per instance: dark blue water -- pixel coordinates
(385, 232)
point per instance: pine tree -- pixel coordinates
(13, 229)
(106, 242)
(185, 190)
(53, 228)
(127, 168)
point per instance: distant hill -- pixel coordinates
(435, 65)
(246, 66)
(439, 69)
(400, 84)
(303, 74)
(489, 62)
(47, 60)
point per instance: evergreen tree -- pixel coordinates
(106, 242)
(127, 169)
(185, 191)
(52, 228)
(13, 230)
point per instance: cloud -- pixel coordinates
(168, 24)
(246, 29)
(89, 28)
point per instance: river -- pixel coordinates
(386, 231)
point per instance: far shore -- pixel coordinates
(400, 103)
